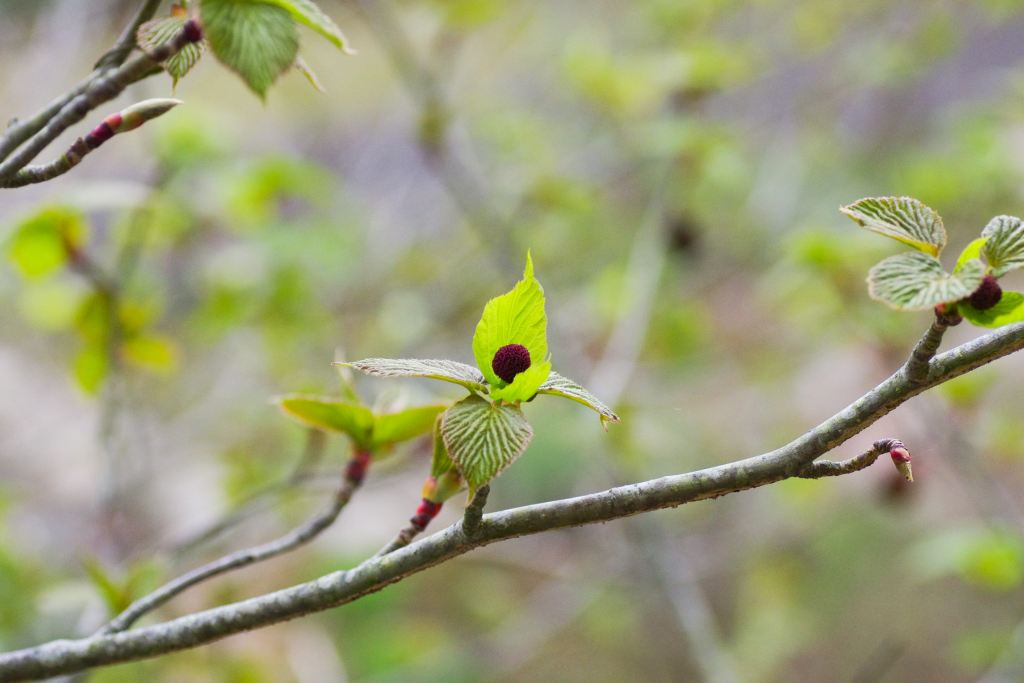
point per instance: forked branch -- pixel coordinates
(331, 590)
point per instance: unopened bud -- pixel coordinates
(441, 488)
(901, 459)
(948, 314)
(426, 511)
(137, 114)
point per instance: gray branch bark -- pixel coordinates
(338, 588)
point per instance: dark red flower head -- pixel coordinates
(987, 294)
(510, 360)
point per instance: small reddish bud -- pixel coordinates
(987, 294)
(426, 511)
(510, 360)
(948, 314)
(901, 459)
(440, 489)
(193, 31)
(355, 471)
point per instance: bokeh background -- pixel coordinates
(676, 167)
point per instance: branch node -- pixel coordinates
(475, 511)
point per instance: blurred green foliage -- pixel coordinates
(255, 244)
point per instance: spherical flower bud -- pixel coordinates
(987, 294)
(193, 31)
(510, 360)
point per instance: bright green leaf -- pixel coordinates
(525, 385)
(514, 318)
(914, 281)
(40, 243)
(257, 40)
(329, 414)
(445, 370)
(566, 388)
(484, 438)
(152, 352)
(307, 12)
(902, 218)
(406, 424)
(970, 252)
(1010, 309)
(90, 368)
(155, 33)
(1004, 245)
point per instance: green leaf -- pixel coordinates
(902, 218)
(113, 593)
(1004, 245)
(1010, 309)
(307, 72)
(152, 352)
(329, 414)
(440, 462)
(155, 33)
(524, 386)
(90, 368)
(914, 281)
(566, 388)
(971, 251)
(257, 40)
(515, 318)
(406, 424)
(40, 244)
(307, 12)
(484, 438)
(445, 370)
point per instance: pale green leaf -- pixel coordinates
(439, 461)
(155, 33)
(902, 218)
(307, 72)
(1004, 245)
(1010, 309)
(970, 252)
(329, 414)
(90, 367)
(152, 352)
(307, 12)
(516, 317)
(446, 370)
(406, 424)
(257, 40)
(914, 281)
(566, 388)
(483, 438)
(40, 244)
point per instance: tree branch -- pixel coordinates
(66, 656)
(104, 87)
(116, 55)
(309, 530)
(924, 350)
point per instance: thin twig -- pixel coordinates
(828, 468)
(116, 55)
(102, 88)
(299, 536)
(259, 500)
(475, 510)
(924, 351)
